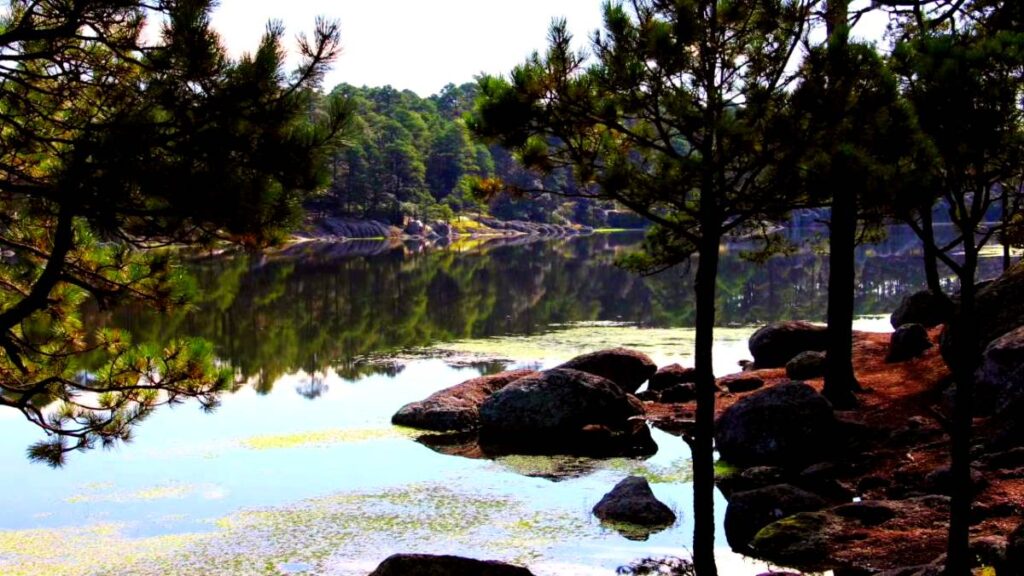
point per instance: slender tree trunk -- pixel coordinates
(840, 382)
(931, 258)
(703, 445)
(1006, 229)
(965, 331)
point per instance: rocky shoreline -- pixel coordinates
(335, 229)
(859, 492)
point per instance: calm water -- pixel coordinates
(300, 471)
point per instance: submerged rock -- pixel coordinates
(457, 407)
(631, 501)
(788, 424)
(430, 565)
(776, 344)
(748, 512)
(626, 368)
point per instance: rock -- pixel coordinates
(999, 380)
(1013, 458)
(442, 229)
(737, 385)
(1015, 551)
(758, 477)
(940, 481)
(679, 393)
(776, 344)
(631, 501)
(671, 375)
(429, 565)
(998, 309)
(989, 551)
(457, 407)
(649, 396)
(414, 228)
(787, 424)
(556, 401)
(748, 512)
(868, 512)
(925, 308)
(799, 540)
(806, 365)
(627, 368)
(908, 341)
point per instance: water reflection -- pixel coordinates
(316, 307)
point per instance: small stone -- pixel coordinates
(679, 393)
(907, 342)
(742, 384)
(671, 375)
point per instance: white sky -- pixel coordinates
(420, 45)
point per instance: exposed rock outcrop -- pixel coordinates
(908, 341)
(671, 375)
(457, 407)
(776, 344)
(999, 381)
(557, 400)
(925, 308)
(806, 365)
(629, 369)
(748, 512)
(787, 424)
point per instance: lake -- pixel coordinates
(300, 471)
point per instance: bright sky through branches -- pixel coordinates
(416, 44)
(420, 45)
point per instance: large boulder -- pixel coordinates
(999, 379)
(631, 501)
(430, 565)
(806, 365)
(557, 400)
(776, 344)
(999, 307)
(908, 341)
(925, 308)
(748, 512)
(788, 424)
(457, 407)
(627, 368)
(671, 375)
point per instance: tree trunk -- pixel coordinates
(966, 354)
(840, 381)
(931, 258)
(703, 444)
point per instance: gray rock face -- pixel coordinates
(999, 380)
(806, 365)
(626, 368)
(908, 341)
(429, 565)
(776, 344)
(671, 375)
(457, 407)
(787, 424)
(632, 501)
(558, 400)
(925, 308)
(748, 512)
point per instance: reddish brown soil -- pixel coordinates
(906, 397)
